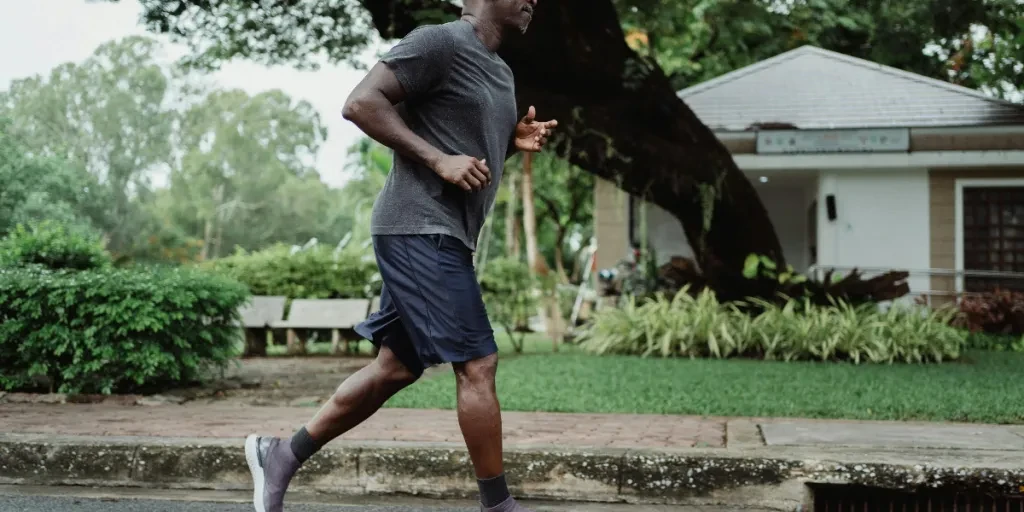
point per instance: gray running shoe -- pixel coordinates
(272, 465)
(509, 505)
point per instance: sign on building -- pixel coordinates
(834, 141)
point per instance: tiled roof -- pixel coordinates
(813, 88)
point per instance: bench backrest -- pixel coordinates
(327, 313)
(263, 310)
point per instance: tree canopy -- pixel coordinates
(36, 188)
(105, 114)
(165, 165)
(970, 42)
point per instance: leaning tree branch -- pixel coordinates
(550, 206)
(623, 122)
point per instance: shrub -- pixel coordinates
(759, 266)
(508, 292)
(567, 299)
(999, 312)
(54, 246)
(995, 342)
(315, 273)
(114, 329)
(700, 326)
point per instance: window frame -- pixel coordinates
(958, 217)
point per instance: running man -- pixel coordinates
(444, 102)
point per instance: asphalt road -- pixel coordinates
(75, 499)
(58, 504)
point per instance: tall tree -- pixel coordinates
(36, 188)
(245, 175)
(106, 114)
(622, 119)
(533, 256)
(240, 167)
(547, 307)
(967, 42)
(513, 221)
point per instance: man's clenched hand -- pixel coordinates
(467, 172)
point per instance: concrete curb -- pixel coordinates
(763, 477)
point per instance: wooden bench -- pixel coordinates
(335, 315)
(257, 317)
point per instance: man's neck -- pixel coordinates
(488, 31)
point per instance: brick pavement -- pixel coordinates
(521, 428)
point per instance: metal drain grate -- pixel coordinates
(866, 499)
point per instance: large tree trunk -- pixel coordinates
(548, 308)
(218, 238)
(563, 276)
(624, 122)
(533, 256)
(512, 217)
(204, 253)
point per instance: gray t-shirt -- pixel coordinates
(460, 98)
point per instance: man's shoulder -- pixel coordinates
(449, 29)
(444, 34)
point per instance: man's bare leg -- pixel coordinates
(480, 421)
(480, 415)
(359, 396)
(273, 461)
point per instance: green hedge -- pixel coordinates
(315, 273)
(687, 326)
(109, 330)
(53, 245)
(995, 342)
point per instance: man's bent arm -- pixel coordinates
(371, 107)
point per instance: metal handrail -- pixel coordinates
(944, 272)
(928, 295)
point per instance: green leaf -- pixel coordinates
(847, 23)
(750, 266)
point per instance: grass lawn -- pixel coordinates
(984, 387)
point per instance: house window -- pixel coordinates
(993, 236)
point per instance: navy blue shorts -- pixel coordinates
(431, 310)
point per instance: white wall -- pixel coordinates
(882, 221)
(667, 237)
(787, 208)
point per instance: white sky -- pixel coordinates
(40, 34)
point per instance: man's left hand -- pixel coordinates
(531, 135)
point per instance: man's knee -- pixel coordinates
(477, 372)
(391, 372)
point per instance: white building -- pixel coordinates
(886, 170)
